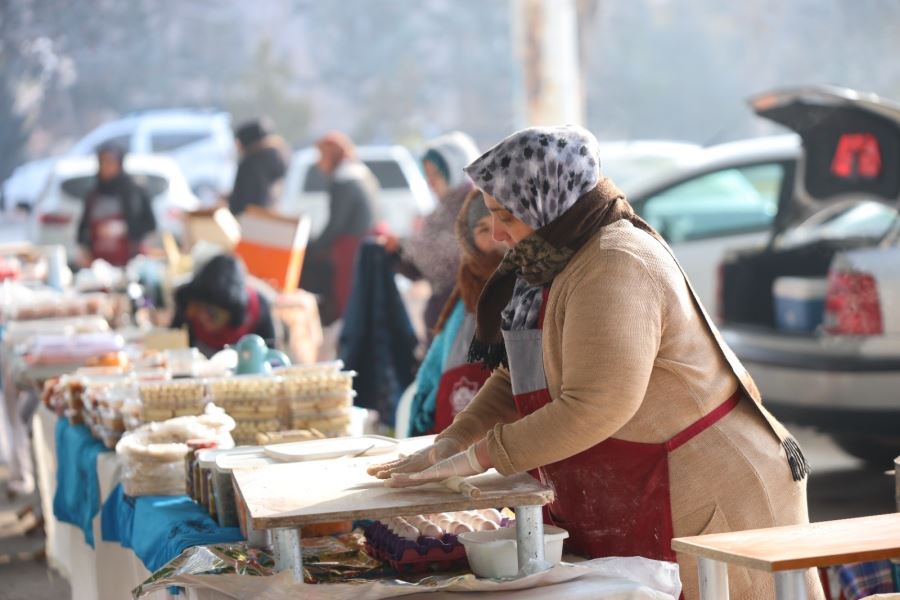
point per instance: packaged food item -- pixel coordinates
(153, 454)
(161, 400)
(319, 368)
(254, 401)
(190, 458)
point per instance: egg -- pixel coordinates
(488, 526)
(408, 532)
(392, 524)
(477, 522)
(431, 530)
(492, 514)
(462, 528)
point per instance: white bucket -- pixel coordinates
(494, 553)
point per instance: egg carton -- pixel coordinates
(426, 554)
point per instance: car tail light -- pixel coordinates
(55, 219)
(852, 306)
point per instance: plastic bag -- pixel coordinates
(153, 454)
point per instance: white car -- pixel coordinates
(814, 313)
(404, 199)
(200, 141)
(58, 210)
(629, 163)
(715, 200)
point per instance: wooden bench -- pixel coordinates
(787, 552)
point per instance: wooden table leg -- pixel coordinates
(529, 534)
(790, 585)
(713, 579)
(288, 556)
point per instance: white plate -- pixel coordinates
(331, 448)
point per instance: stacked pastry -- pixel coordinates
(320, 400)
(161, 400)
(253, 401)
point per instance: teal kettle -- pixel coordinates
(255, 358)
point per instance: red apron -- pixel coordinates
(343, 256)
(613, 498)
(229, 335)
(109, 241)
(456, 389)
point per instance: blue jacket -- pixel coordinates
(421, 418)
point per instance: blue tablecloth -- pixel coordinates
(77, 498)
(159, 528)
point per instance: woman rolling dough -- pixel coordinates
(610, 381)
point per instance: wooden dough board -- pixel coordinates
(295, 494)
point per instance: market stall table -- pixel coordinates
(788, 551)
(278, 499)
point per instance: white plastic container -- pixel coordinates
(799, 303)
(494, 553)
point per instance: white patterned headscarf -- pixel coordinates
(537, 174)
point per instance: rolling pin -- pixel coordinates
(461, 486)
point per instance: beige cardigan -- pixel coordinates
(627, 355)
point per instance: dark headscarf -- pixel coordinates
(220, 282)
(252, 132)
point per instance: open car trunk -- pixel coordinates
(851, 151)
(748, 277)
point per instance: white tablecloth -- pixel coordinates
(106, 572)
(111, 572)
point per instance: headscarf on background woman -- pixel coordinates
(433, 253)
(476, 266)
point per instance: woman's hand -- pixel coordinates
(462, 464)
(390, 242)
(417, 461)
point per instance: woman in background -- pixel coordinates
(352, 206)
(219, 307)
(118, 214)
(446, 382)
(433, 252)
(263, 164)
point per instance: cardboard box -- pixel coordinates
(214, 225)
(272, 246)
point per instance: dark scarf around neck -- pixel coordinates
(539, 258)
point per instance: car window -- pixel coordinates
(168, 141)
(628, 171)
(721, 203)
(865, 220)
(78, 187)
(388, 173)
(120, 141)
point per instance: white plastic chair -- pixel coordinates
(404, 412)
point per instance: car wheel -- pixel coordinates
(876, 451)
